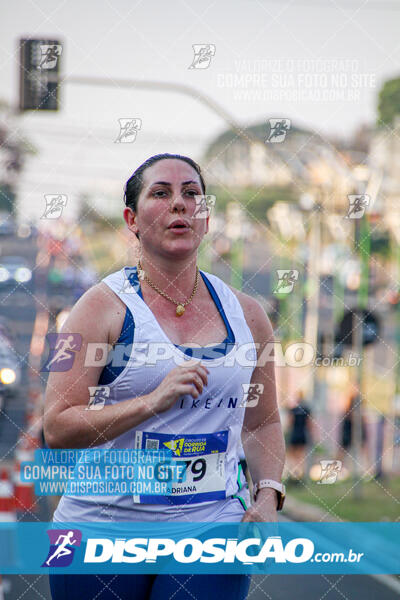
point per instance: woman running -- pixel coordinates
(166, 311)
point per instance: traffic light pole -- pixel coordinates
(186, 90)
(313, 293)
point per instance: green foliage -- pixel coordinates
(380, 243)
(389, 102)
(89, 214)
(229, 136)
(377, 503)
(13, 151)
(254, 201)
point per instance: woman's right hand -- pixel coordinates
(188, 378)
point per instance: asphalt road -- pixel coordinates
(263, 587)
(319, 587)
(18, 306)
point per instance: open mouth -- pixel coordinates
(179, 225)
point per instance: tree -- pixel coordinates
(13, 151)
(389, 102)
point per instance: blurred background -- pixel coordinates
(292, 111)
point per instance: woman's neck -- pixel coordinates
(176, 278)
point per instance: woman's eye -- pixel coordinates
(162, 193)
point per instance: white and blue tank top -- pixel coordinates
(205, 431)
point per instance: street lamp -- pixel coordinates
(288, 221)
(312, 284)
(236, 229)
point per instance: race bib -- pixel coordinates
(199, 460)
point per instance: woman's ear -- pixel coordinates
(130, 219)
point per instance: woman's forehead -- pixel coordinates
(170, 170)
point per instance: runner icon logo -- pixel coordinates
(61, 552)
(329, 470)
(63, 347)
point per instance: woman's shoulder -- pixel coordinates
(99, 310)
(100, 295)
(255, 315)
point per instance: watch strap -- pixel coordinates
(270, 483)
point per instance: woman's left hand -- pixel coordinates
(263, 510)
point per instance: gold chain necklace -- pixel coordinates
(180, 306)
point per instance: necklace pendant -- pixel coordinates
(180, 309)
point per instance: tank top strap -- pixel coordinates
(124, 283)
(227, 298)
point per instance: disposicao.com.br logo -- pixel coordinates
(200, 547)
(211, 551)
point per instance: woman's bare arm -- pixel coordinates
(262, 436)
(67, 423)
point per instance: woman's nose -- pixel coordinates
(177, 202)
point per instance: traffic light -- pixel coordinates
(39, 74)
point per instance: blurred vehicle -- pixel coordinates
(14, 269)
(6, 331)
(7, 224)
(10, 370)
(26, 230)
(76, 276)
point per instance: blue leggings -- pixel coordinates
(149, 587)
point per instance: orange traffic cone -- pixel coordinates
(23, 491)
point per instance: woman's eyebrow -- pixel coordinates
(191, 181)
(169, 184)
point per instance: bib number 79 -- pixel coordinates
(198, 468)
(177, 471)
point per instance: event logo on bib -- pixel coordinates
(175, 445)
